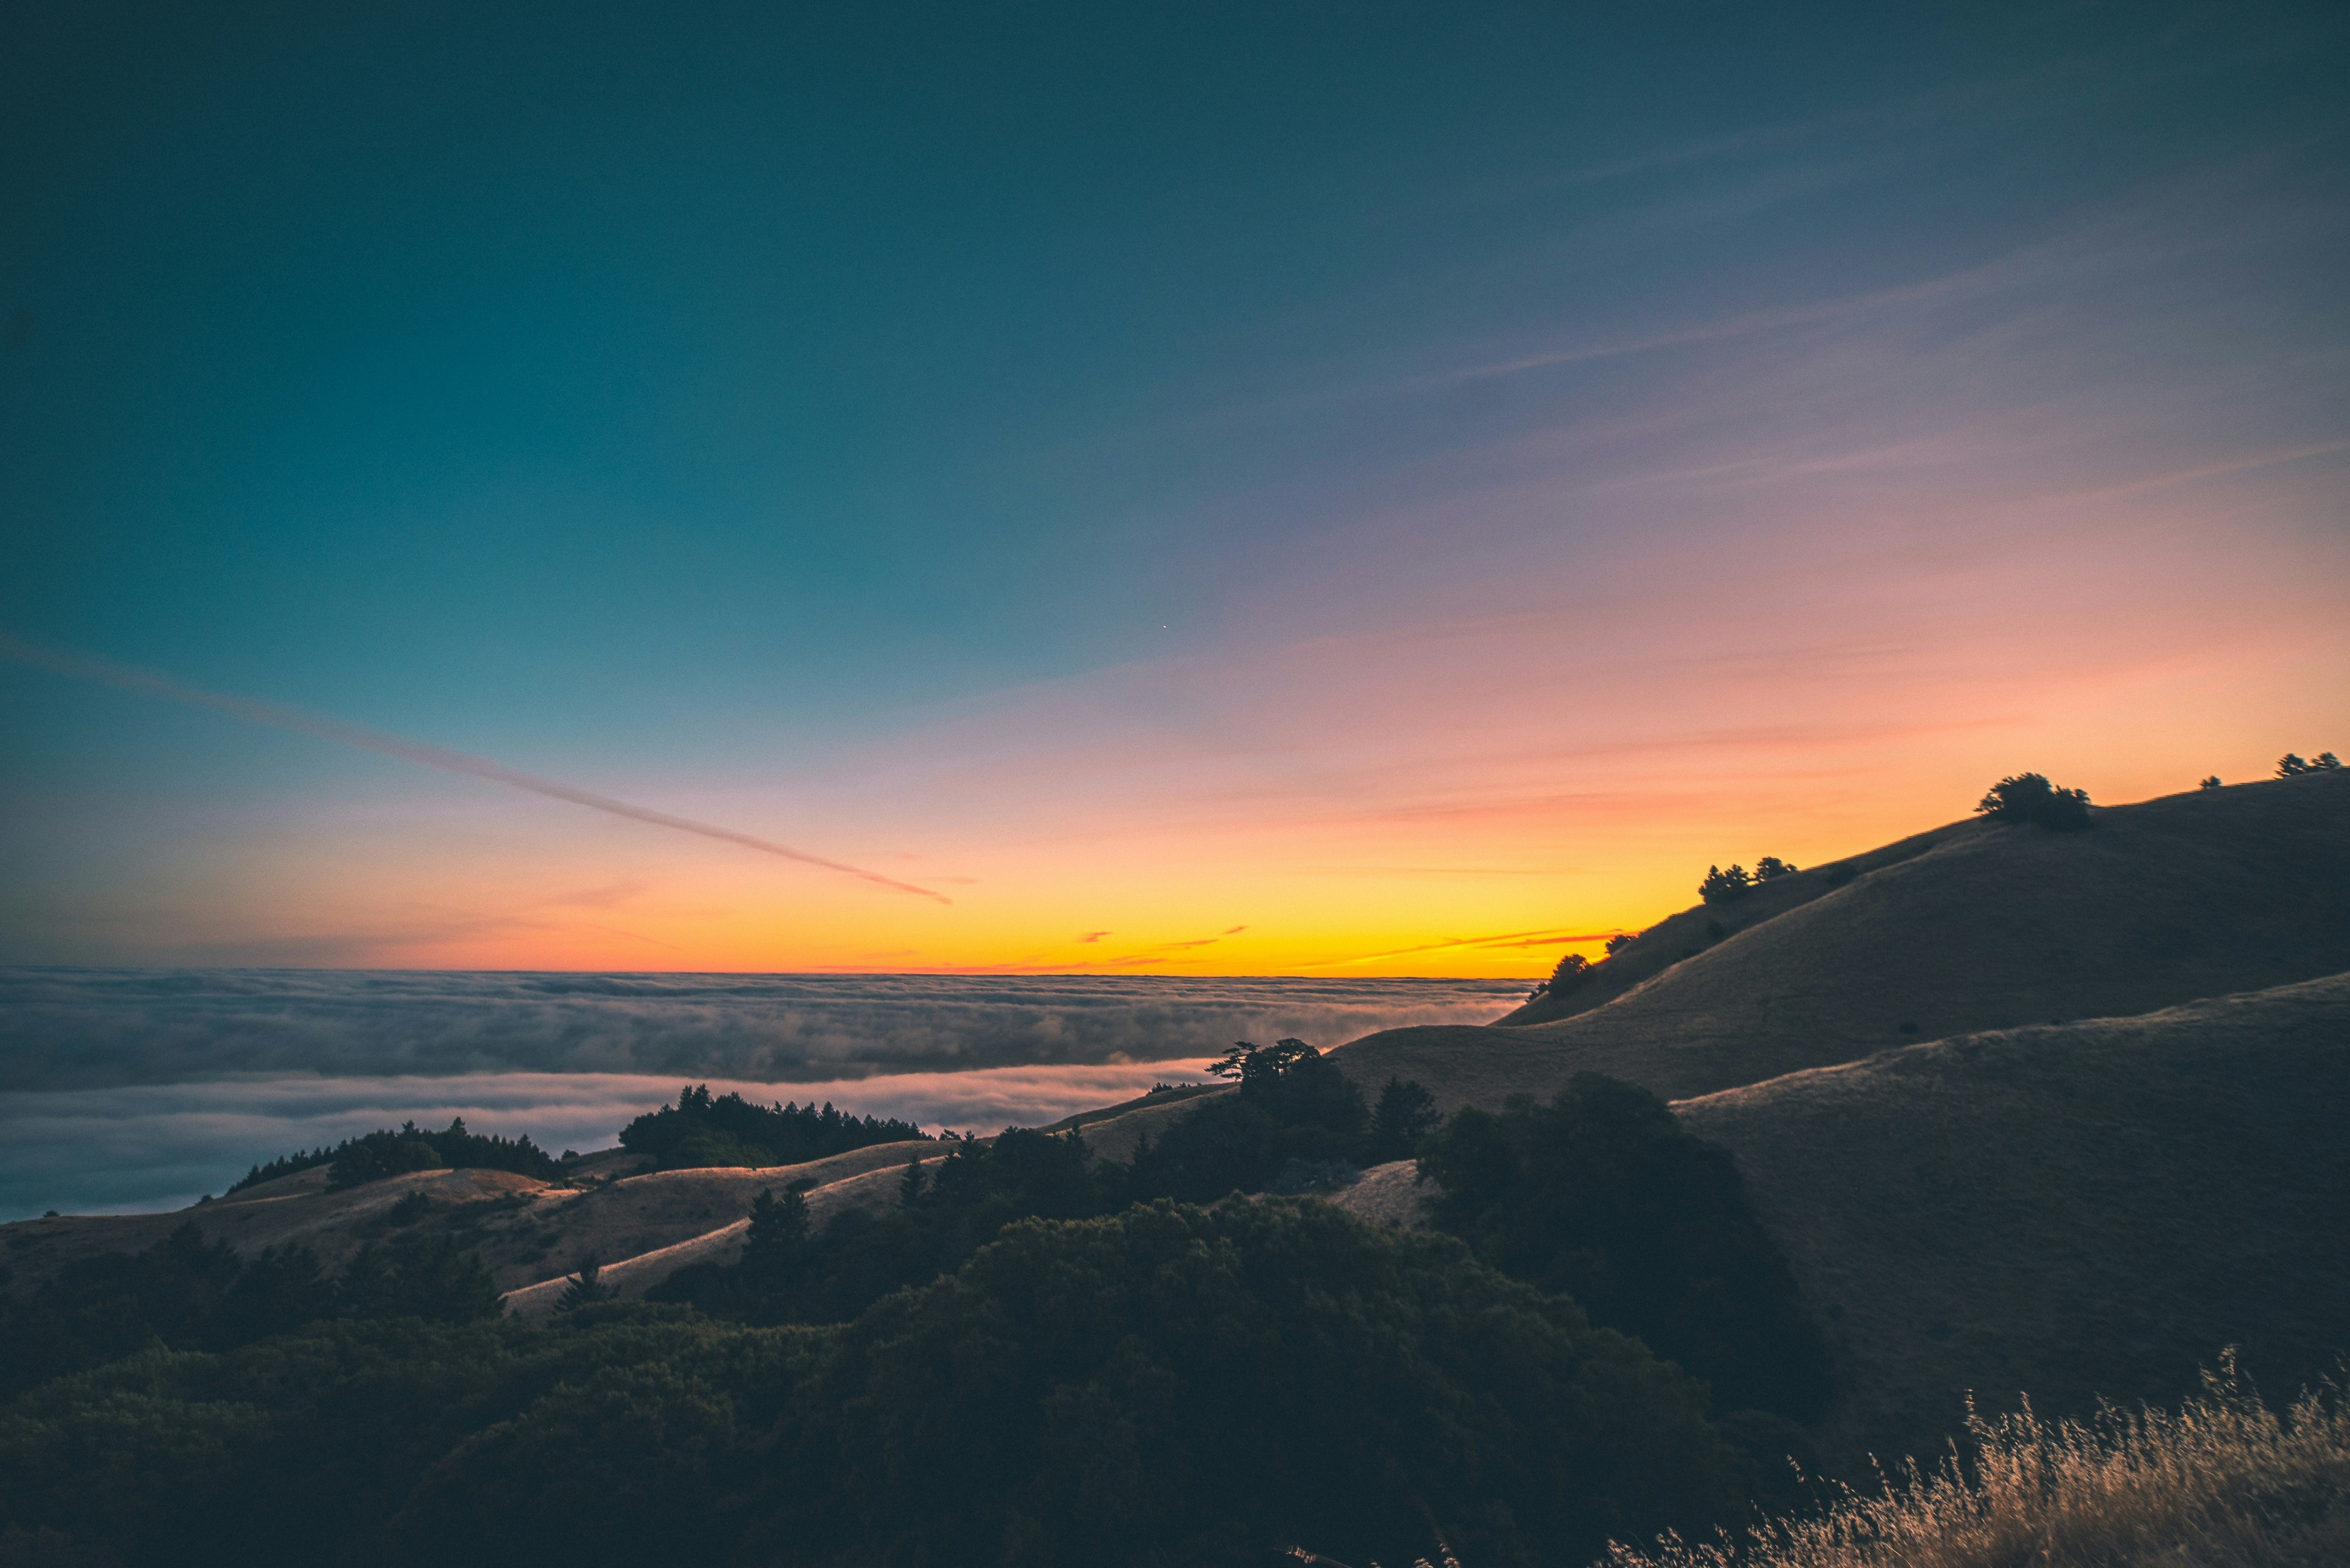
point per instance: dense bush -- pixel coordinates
(1167, 1385)
(185, 1292)
(2290, 765)
(698, 1131)
(2031, 798)
(1602, 1197)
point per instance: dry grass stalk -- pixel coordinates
(2224, 1482)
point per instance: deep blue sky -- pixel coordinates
(696, 393)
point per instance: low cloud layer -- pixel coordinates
(159, 1146)
(86, 1029)
(125, 1090)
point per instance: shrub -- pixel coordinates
(1620, 940)
(2211, 781)
(1770, 868)
(2289, 766)
(2031, 798)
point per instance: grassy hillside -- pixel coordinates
(1973, 927)
(527, 1231)
(2086, 1211)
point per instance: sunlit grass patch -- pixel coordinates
(2221, 1483)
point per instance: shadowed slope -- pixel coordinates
(2082, 1212)
(2085, 1211)
(1975, 925)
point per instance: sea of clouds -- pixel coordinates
(125, 1090)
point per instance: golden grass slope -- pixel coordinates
(527, 1231)
(1973, 927)
(2086, 1211)
(2222, 1482)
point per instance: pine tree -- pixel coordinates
(584, 1287)
(910, 1186)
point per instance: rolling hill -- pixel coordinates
(2026, 1111)
(1973, 927)
(2079, 1211)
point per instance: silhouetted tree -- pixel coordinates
(1720, 887)
(2211, 782)
(702, 1131)
(1771, 867)
(2031, 798)
(1573, 969)
(776, 1246)
(910, 1186)
(585, 1288)
(1405, 1115)
(1620, 940)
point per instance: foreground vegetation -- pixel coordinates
(2223, 1482)
(1170, 1383)
(1033, 1356)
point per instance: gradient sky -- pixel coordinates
(1339, 490)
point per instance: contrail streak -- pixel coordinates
(130, 678)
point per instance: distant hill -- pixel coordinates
(1973, 926)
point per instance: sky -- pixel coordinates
(1331, 491)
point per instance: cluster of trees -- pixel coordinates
(2290, 765)
(699, 1132)
(2031, 798)
(1033, 1356)
(1601, 1196)
(374, 1155)
(1170, 1383)
(185, 1292)
(1297, 1125)
(1720, 886)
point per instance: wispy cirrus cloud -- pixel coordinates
(277, 716)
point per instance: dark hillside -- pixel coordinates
(1976, 926)
(2086, 1211)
